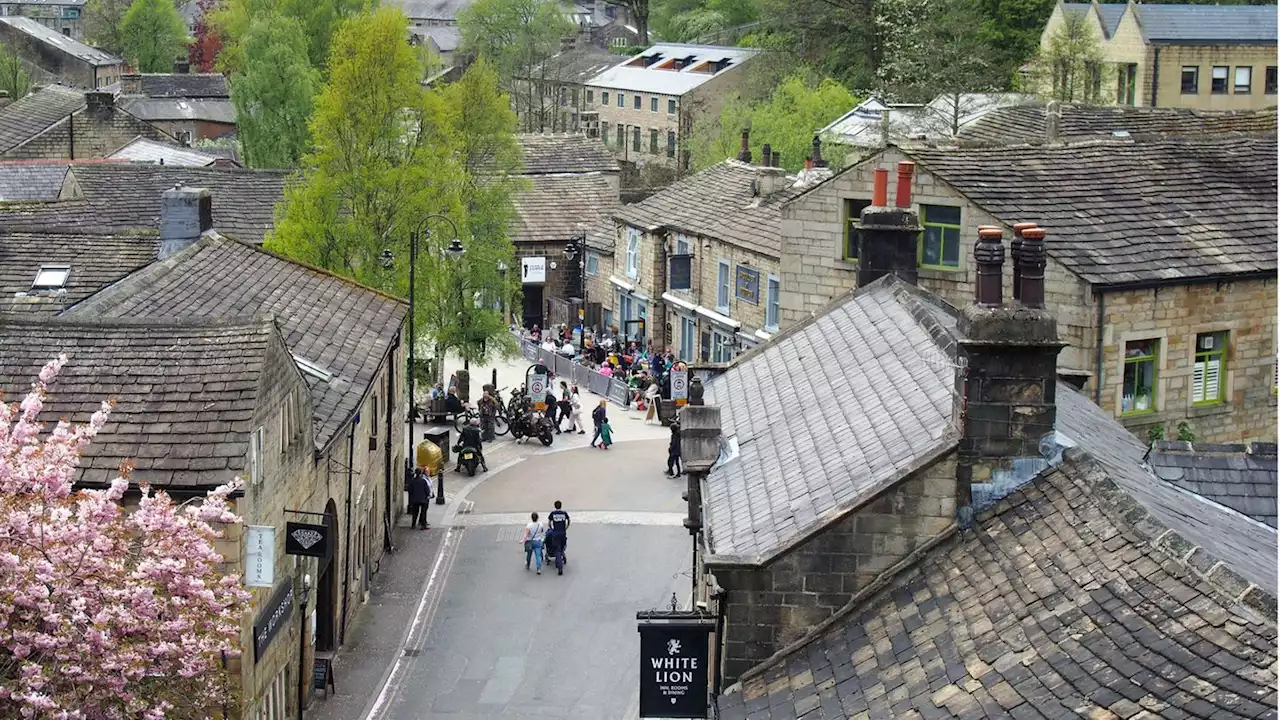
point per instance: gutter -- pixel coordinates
(1175, 282)
(1155, 76)
(390, 403)
(1097, 377)
(346, 557)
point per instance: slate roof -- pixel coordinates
(26, 181)
(862, 126)
(56, 41)
(1131, 213)
(215, 110)
(1205, 24)
(1241, 477)
(344, 328)
(35, 113)
(150, 151)
(184, 85)
(717, 202)
(95, 262)
(1059, 607)
(794, 471)
(432, 9)
(565, 153)
(184, 394)
(1110, 13)
(1026, 123)
(126, 196)
(554, 208)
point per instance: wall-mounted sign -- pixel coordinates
(259, 556)
(747, 284)
(673, 669)
(680, 386)
(533, 269)
(272, 618)
(680, 273)
(306, 539)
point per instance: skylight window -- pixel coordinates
(311, 369)
(51, 277)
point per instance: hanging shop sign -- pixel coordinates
(307, 539)
(673, 668)
(533, 269)
(260, 556)
(274, 617)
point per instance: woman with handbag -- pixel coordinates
(534, 535)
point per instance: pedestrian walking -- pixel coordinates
(419, 498)
(674, 465)
(566, 405)
(606, 435)
(599, 418)
(575, 412)
(651, 399)
(535, 533)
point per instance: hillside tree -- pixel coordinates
(14, 78)
(319, 20)
(153, 35)
(1071, 66)
(102, 21)
(274, 94)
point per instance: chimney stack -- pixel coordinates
(777, 159)
(131, 84)
(99, 102)
(1010, 376)
(767, 152)
(1052, 121)
(744, 152)
(185, 214)
(817, 153)
(889, 236)
(1015, 251)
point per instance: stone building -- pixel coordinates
(1161, 263)
(1210, 57)
(51, 56)
(557, 91)
(1041, 123)
(647, 104)
(344, 356)
(188, 106)
(63, 16)
(934, 543)
(697, 263)
(58, 122)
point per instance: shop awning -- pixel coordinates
(716, 317)
(680, 302)
(622, 284)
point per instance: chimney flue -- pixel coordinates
(1052, 121)
(1015, 251)
(185, 214)
(767, 152)
(744, 152)
(988, 255)
(817, 152)
(808, 163)
(906, 169)
(777, 159)
(880, 193)
(1032, 259)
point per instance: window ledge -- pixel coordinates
(933, 273)
(1222, 408)
(1148, 418)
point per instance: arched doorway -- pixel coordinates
(327, 586)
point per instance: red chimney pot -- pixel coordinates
(808, 163)
(906, 169)
(880, 194)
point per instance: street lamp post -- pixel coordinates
(576, 252)
(302, 645)
(455, 251)
(502, 295)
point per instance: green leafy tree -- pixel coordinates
(103, 19)
(1011, 31)
(13, 76)
(519, 38)
(1071, 67)
(274, 94)
(787, 120)
(712, 20)
(154, 35)
(319, 19)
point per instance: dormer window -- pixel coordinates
(51, 277)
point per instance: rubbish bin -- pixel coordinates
(441, 439)
(666, 411)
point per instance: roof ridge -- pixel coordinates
(319, 270)
(194, 322)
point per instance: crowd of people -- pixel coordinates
(646, 373)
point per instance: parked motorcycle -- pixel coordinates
(530, 423)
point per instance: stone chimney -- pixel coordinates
(889, 234)
(1052, 121)
(744, 152)
(99, 103)
(131, 84)
(767, 153)
(185, 214)
(1010, 380)
(770, 180)
(5, 100)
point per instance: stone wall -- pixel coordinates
(644, 118)
(1172, 58)
(770, 607)
(89, 133)
(599, 289)
(1246, 310)
(815, 272)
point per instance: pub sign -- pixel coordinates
(673, 668)
(272, 619)
(307, 539)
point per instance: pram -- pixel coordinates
(550, 556)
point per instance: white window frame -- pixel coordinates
(721, 345)
(1248, 82)
(724, 276)
(633, 253)
(772, 303)
(688, 338)
(63, 270)
(683, 244)
(593, 264)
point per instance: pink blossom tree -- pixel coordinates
(106, 613)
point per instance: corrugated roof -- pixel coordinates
(653, 79)
(1196, 24)
(60, 42)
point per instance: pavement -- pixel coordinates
(456, 628)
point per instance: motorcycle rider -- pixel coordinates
(470, 438)
(558, 535)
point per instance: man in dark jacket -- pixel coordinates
(599, 417)
(419, 498)
(674, 466)
(470, 438)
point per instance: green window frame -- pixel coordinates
(1209, 373)
(1141, 366)
(939, 247)
(852, 241)
(653, 141)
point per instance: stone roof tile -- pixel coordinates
(553, 207)
(35, 113)
(184, 85)
(27, 181)
(565, 153)
(1027, 123)
(94, 262)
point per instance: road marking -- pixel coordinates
(579, 517)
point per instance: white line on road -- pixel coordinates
(580, 517)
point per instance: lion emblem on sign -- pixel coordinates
(673, 647)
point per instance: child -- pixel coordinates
(606, 435)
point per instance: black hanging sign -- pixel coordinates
(306, 539)
(680, 274)
(273, 618)
(673, 668)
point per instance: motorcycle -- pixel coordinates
(530, 423)
(468, 458)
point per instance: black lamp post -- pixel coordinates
(303, 676)
(388, 260)
(502, 296)
(575, 252)
(454, 252)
